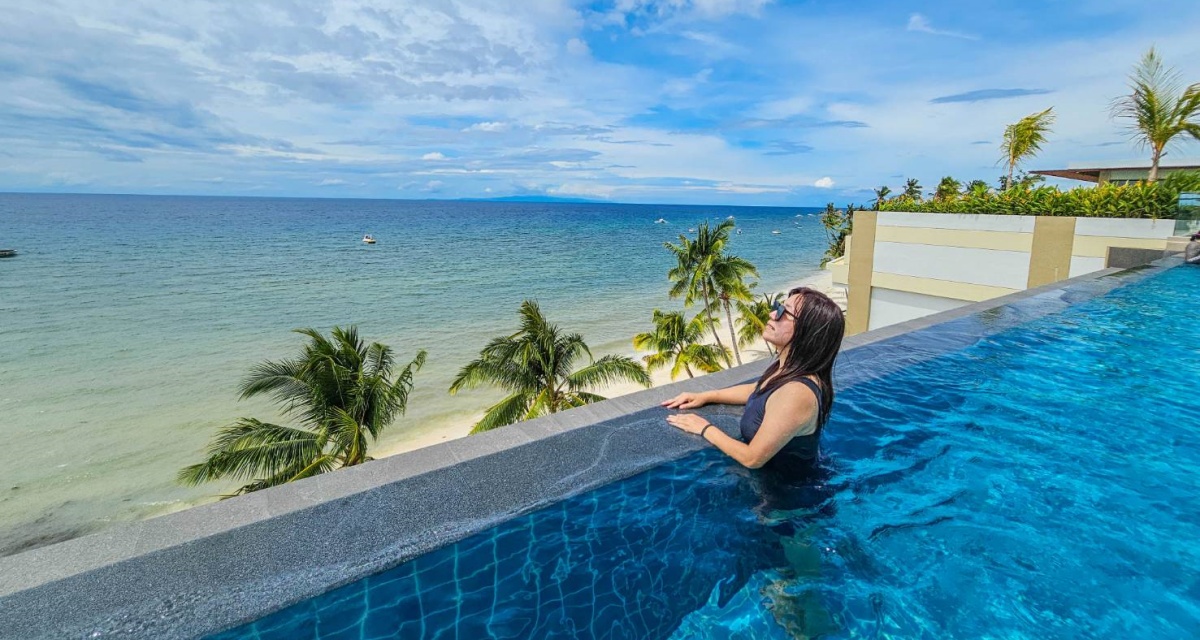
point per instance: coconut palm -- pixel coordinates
(947, 189)
(675, 341)
(1158, 109)
(537, 367)
(339, 391)
(912, 190)
(977, 188)
(1023, 139)
(753, 318)
(692, 274)
(881, 195)
(729, 275)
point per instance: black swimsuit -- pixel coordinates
(799, 448)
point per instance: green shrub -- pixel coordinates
(1138, 200)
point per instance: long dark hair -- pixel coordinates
(816, 340)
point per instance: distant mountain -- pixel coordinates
(534, 198)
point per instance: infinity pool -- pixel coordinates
(1043, 482)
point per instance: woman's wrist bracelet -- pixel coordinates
(706, 428)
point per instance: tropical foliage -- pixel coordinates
(912, 190)
(1158, 108)
(753, 318)
(977, 188)
(1023, 139)
(838, 224)
(677, 342)
(881, 196)
(705, 271)
(947, 188)
(539, 368)
(340, 392)
(1138, 200)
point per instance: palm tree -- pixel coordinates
(692, 274)
(1158, 109)
(729, 275)
(977, 188)
(339, 390)
(675, 341)
(881, 195)
(912, 190)
(1023, 139)
(753, 318)
(947, 188)
(536, 366)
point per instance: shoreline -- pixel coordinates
(821, 281)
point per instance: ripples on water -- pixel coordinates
(126, 322)
(1042, 483)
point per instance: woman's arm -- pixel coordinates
(790, 411)
(728, 395)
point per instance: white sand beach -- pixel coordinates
(822, 281)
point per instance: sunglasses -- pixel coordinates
(778, 311)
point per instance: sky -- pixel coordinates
(747, 102)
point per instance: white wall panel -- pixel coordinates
(889, 306)
(1124, 228)
(1084, 265)
(970, 222)
(957, 264)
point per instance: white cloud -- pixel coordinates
(490, 127)
(577, 47)
(918, 22)
(331, 182)
(824, 183)
(701, 8)
(433, 155)
(680, 86)
(586, 190)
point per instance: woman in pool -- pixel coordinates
(789, 405)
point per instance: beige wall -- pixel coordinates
(905, 265)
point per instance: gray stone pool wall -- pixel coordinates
(212, 567)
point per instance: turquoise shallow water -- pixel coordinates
(1040, 483)
(126, 321)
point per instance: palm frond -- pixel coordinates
(608, 370)
(250, 448)
(508, 411)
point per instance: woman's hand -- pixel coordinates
(686, 400)
(689, 422)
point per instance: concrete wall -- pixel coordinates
(901, 266)
(889, 306)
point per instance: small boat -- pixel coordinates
(739, 232)
(729, 218)
(776, 232)
(7, 253)
(660, 221)
(368, 239)
(692, 230)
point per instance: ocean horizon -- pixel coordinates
(128, 321)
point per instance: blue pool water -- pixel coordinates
(1042, 482)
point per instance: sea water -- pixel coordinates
(126, 322)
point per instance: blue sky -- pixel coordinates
(682, 101)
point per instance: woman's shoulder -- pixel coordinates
(799, 390)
